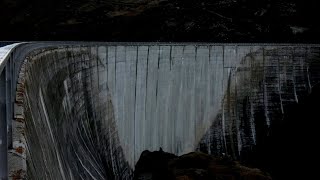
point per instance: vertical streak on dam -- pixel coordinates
(91, 110)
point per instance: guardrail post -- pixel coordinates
(3, 127)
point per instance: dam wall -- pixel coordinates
(88, 111)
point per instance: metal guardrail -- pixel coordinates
(5, 43)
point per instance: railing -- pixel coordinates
(5, 43)
(9, 70)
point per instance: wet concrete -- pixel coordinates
(88, 111)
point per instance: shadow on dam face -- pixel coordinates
(89, 111)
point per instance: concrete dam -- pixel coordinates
(87, 110)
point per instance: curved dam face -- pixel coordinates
(89, 111)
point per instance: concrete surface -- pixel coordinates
(87, 111)
(6, 98)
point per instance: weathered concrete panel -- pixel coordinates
(119, 100)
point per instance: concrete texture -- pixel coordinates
(88, 111)
(7, 84)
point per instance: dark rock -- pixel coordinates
(193, 166)
(127, 20)
(153, 165)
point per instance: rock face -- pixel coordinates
(91, 110)
(193, 166)
(153, 165)
(167, 20)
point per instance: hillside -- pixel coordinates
(161, 20)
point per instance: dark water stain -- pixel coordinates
(287, 147)
(84, 133)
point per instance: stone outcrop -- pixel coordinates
(158, 165)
